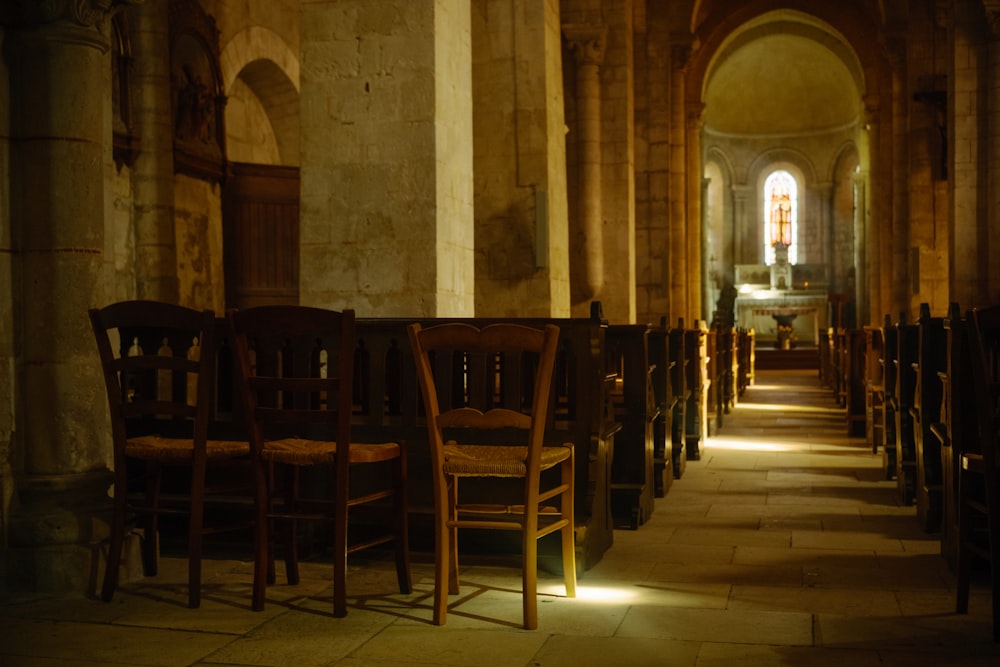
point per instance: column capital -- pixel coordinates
(872, 108)
(84, 22)
(682, 47)
(694, 113)
(587, 42)
(822, 188)
(943, 10)
(741, 191)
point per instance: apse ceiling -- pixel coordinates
(784, 74)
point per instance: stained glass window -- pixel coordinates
(780, 215)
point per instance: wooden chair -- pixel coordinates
(492, 423)
(296, 368)
(160, 389)
(979, 472)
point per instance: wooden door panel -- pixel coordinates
(261, 235)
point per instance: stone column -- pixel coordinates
(694, 169)
(59, 67)
(993, 156)
(866, 246)
(679, 229)
(823, 198)
(743, 234)
(153, 171)
(587, 43)
(860, 253)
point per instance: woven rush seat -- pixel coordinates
(164, 449)
(301, 452)
(496, 460)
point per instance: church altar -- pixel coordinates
(771, 295)
(807, 310)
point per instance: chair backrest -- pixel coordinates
(498, 377)
(984, 355)
(296, 368)
(159, 365)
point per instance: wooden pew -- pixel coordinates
(854, 381)
(890, 339)
(826, 358)
(841, 365)
(926, 411)
(747, 359)
(661, 378)
(713, 376)
(389, 408)
(696, 369)
(906, 449)
(956, 423)
(636, 409)
(727, 371)
(679, 397)
(875, 387)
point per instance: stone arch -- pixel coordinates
(261, 78)
(843, 170)
(718, 216)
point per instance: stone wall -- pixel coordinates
(522, 261)
(386, 211)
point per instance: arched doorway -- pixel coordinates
(261, 193)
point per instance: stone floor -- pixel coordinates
(783, 545)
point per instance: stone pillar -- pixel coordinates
(59, 66)
(866, 246)
(993, 156)
(823, 198)
(386, 175)
(860, 292)
(522, 237)
(679, 229)
(744, 235)
(153, 171)
(694, 169)
(587, 43)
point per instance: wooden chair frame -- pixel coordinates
(473, 412)
(299, 417)
(160, 389)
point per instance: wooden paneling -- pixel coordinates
(261, 235)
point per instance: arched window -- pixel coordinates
(780, 215)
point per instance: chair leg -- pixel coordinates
(269, 527)
(454, 587)
(340, 550)
(964, 556)
(116, 541)
(263, 563)
(401, 534)
(568, 532)
(151, 532)
(529, 570)
(195, 534)
(442, 548)
(292, 540)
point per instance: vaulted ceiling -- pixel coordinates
(783, 74)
